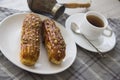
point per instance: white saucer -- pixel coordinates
(104, 45)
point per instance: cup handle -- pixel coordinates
(108, 32)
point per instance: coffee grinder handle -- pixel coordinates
(77, 5)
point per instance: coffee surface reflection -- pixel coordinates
(94, 20)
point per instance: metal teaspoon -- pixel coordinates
(75, 29)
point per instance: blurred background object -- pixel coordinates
(48, 7)
(110, 8)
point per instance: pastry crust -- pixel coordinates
(54, 41)
(30, 39)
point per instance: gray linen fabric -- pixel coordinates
(86, 66)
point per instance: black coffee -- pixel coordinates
(94, 20)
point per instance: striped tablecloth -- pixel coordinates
(86, 66)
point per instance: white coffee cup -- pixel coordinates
(94, 25)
